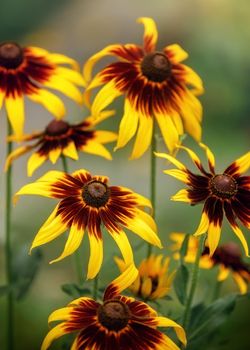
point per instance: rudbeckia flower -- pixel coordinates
(86, 202)
(227, 257)
(29, 71)
(154, 280)
(119, 322)
(156, 85)
(62, 138)
(225, 192)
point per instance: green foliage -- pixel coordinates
(75, 291)
(181, 283)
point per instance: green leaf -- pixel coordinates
(184, 247)
(181, 283)
(205, 321)
(74, 290)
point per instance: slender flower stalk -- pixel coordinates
(77, 258)
(217, 289)
(8, 253)
(194, 279)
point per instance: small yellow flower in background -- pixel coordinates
(86, 202)
(155, 84)
(62, 138)
(27, 72)
(154, 280)
(226, 192)
(227, 256)
(119, 322)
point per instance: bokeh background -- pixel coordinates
(216, 33)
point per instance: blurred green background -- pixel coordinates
(216, 34)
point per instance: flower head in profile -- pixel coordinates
(86, 202)
(154, 280)
(119, 322)
(223, 193)
(29, 71)
(62, 138)
(227, 257)
(156, 84)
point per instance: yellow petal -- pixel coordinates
(147, 219)
(54, 154)
(38, 51)
(193, 79)
(209, 154)
(223, 273)
(171, 159)
(88, 67)
(73, 242)
(181, 196)
(143, 230)
(104, 97)
(128, 125)
(96, 256)
(34, 162)
(122, 241)
(105, 136)
(16, 154)
(178, 174)
(150, 33)
(70, 150)
(177, 122)
(58, 58)
(2, 96)
(65, 87)
(53, 334)
(243, 163)
(241, 237)
(15, 113)
(213, 237)
(191, 124)
(143, 137)
(101, 117)
(96, 148)
(146, 287)
(120, 263)
(203, 226)
(242, 284)
(168, 130)
(60, 314)
(166, 322)
(177, 53)
(50, 101)
(71, 75)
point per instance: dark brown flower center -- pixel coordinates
(231, 249)
(57, 128)
(114, 315)
(156, 66)
(96, 193)
(223, 186)
(11, 55)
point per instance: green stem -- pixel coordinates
(95, 287)
(77, 258)
(8, 253)
(217, 290)
(194, 279)
(152, 178)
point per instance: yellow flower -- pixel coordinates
(119, 322)
(62, 138)
(155, 85)
(227, 256)
(154, 281)
(226, 192)
(86, 202)
(27, 71)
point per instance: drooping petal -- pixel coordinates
(240, 166)
(193, 79)
(191, 124)
(15, 113)
(128, 124)
(34, 162)
(54, 154)
(181, 196)
(150, 33)
(176, 53)
(242, 284)
(168, 130)
(172, 160)
(18, 152)
(62, 314)
(70, 151)
(146, 287)
(143, 137)
(104, 97)
(210, 156)
(96, 256)
(121, 283)
(50, 101)
(105, 136)
(70, 75)
(96, 148)
(213, 236)
(203, 226)
(223, 273)
(124, 245)
(178, 174)
(62, 59)
(53, 334)
(166, 322)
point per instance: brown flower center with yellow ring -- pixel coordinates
(114, 315)
(223, 186)
(57, 128)
(95, 193)
(11, 55)
(156, 67)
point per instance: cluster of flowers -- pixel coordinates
(157, 87)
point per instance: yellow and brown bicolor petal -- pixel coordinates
(227, 257)
(119, 322)
(222, 193)
(62, 138)
(156, 85)
(29, 71)
(154, 280)
(86, 202)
